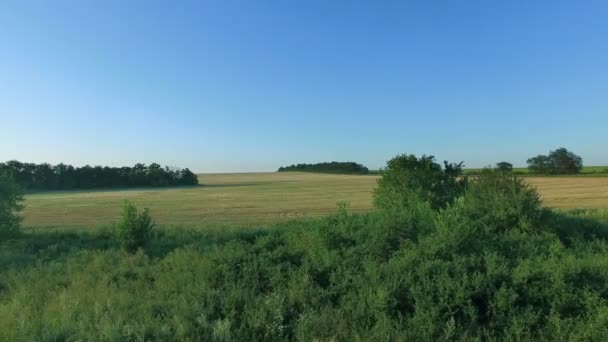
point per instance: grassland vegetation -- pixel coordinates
(32, 176)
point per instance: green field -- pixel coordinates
(260, 199)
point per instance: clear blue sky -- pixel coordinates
(252, 85)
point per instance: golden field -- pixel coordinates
(259, 199)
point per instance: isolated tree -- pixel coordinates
(560, 161)
(504, 166)
(565, 162)
(11, 197)
(407, 177)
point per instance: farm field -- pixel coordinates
(601, 171)
(260, 198)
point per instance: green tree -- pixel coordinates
(11, 197)
(565, 162)
(407, 177)
(560, 161)
(504, 166)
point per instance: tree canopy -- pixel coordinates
(407, 177)
(333, 167)
(560, 161)
(65, 177)
(504, 166)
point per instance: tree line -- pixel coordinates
(558, 162)
(45, 176)
(333, 167)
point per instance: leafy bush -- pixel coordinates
(11, 197)
(500, 201)
(412, 274)
(134, 228)
(408, 178)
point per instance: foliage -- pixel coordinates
(409, 274)
(11, 197)
(504, 166)
(560, 161)
(333, 167)
(134, 229)
(66, 177)
(499, 201)
(408, 178)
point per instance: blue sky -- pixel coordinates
(226, 86)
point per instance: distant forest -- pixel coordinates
(333, 167)
(32, 176)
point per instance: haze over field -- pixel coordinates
(234, 86)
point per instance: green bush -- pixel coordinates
(413, 274)
(134, 228)
(501, 201)
(11, 197)
(408, 178)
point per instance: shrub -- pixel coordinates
(407, 177)
(134, 227)
(409, 273)
(501, 201)
(11, 197)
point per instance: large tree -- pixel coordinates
(560, 161)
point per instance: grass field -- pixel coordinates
(587, 171)
(260, 198)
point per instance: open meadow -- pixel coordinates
(260, 199)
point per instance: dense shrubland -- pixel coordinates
(332, 167)
(32, 176)
(458, 260)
